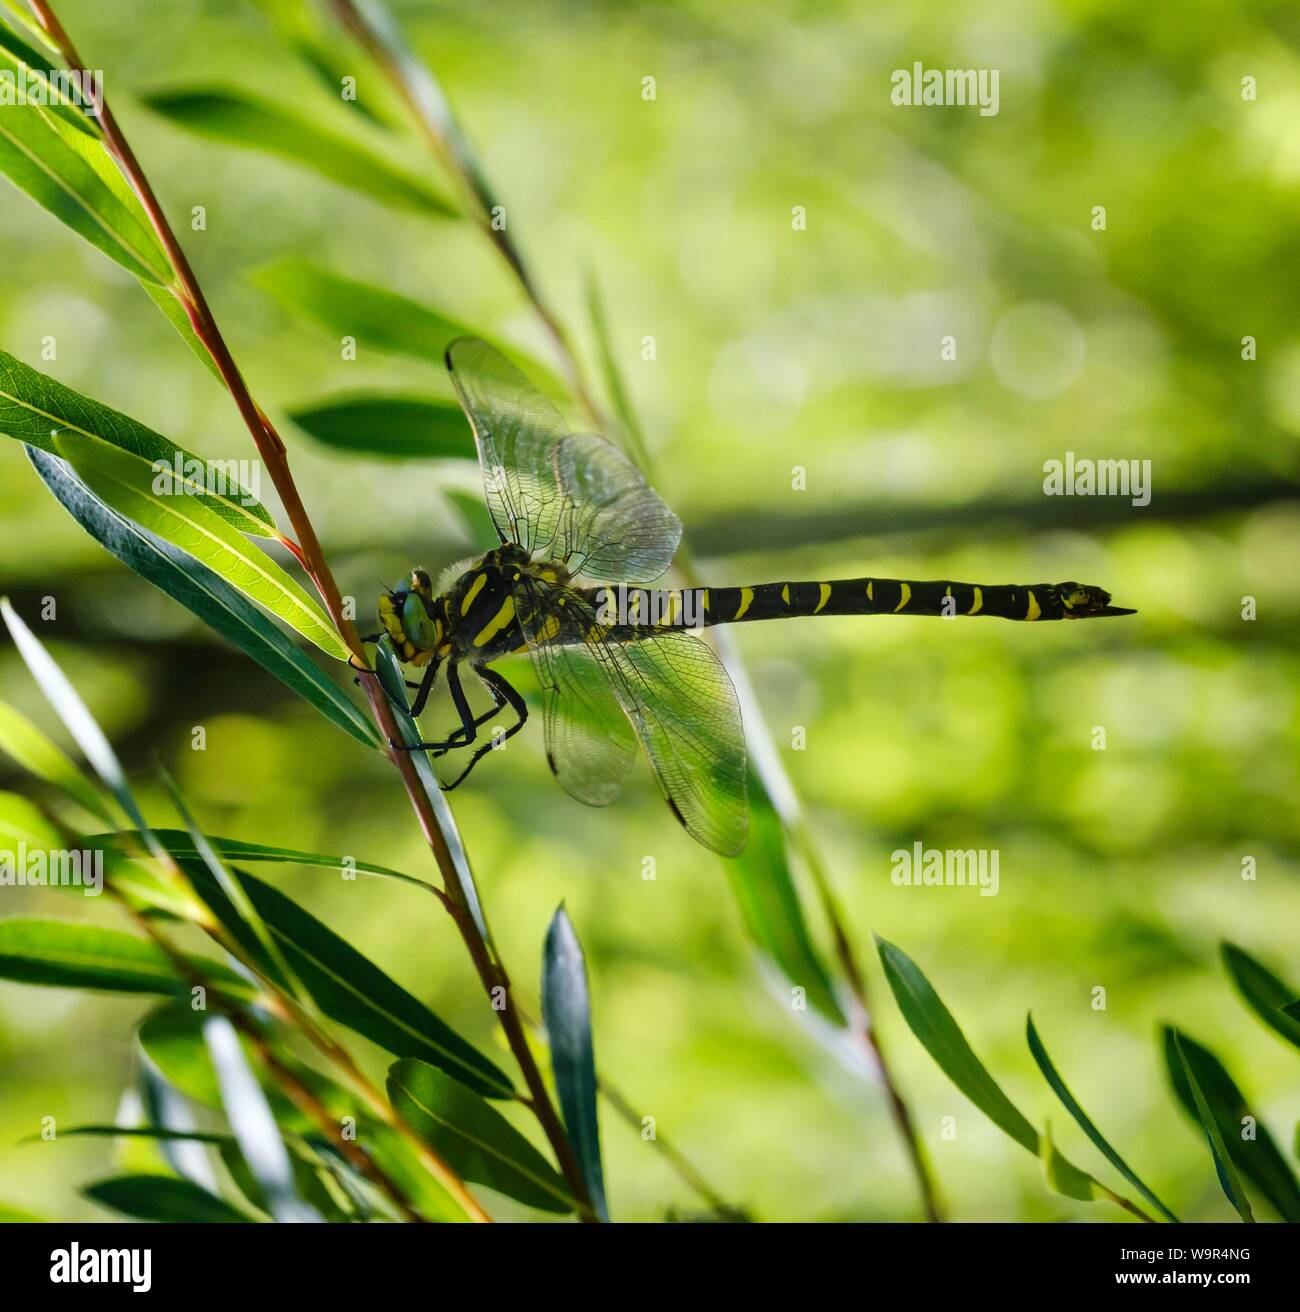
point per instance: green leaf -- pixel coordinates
(394, 686)
(250, 1118)
(242, 120)
(171, 1038)
(476, 1141)
(71, 174)
(59, 954)
(22, 821)
(391, 427)
(206, 595)
(1273, 1001)
(1206, 1090)
(137, 1132)
(942, 1038)
(69, 707)
(347, 986)
(189, 524)
(1068, 1101)
(764, 888)
(32, 750)
(36, 409)
(566, 1012)
(28, 65)
(1229, 1181)
(380, 320)
(163, 1198)
(180, 845)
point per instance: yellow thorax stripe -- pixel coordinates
(474, 589)
(746, 596)
(824, 598)
(499, 622)
(905, 598)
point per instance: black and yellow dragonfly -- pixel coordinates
(620, 664)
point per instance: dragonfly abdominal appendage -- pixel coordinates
(620, 665)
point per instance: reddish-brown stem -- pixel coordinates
(271, 448)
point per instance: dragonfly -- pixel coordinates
(621, 665)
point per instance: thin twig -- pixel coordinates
(274, 455)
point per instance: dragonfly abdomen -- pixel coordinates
(627, 613)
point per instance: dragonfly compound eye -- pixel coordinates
(421, 629)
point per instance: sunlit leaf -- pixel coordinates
(60, 954)
(1266, 995)
(206, 595)
(37, 410)
(566, 1012)
(1084, 1122)
(475, 1140)
(163, 1198)
(238, 119)
(70, 173)
(187, 523)
(32, 750)
(391, 427)
(28, 65)
(1211, 1097)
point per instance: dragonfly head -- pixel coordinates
(1083, 601)
(409, 616)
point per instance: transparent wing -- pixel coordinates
(590, 745)
(518, 432)
(669, 691)
(575, 496)
(614, 526)
(681, 703)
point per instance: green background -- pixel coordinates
(775, 349)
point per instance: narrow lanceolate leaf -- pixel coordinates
(180, 845)
(74, 713)
(1273, 1001)
(1229, 1180)
(1205, 1089)
(941, 1036)
(390, 427)
(475, 1140)
(764, 888)
(1084, 1122)
(32, 750)
(241, 120)
(59, 954)
(206, 595)
(36, 409)
(70, 100)
(163, 1198)
(253, 1124)
(345, 985)
(379, 320)
(187, 523)
(394, 686)
(566, 1011)
(1063, 1176)
(70, 173)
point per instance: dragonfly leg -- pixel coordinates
(468, 730)
(504, 694)
(426, 687)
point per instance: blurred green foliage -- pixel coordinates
(775, 348)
